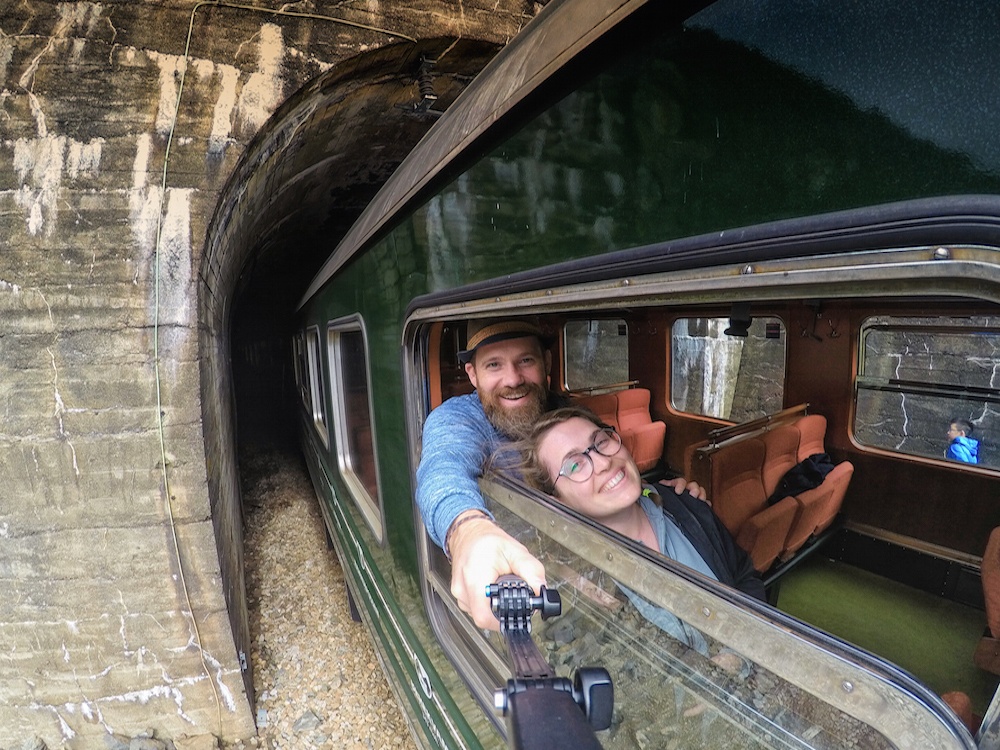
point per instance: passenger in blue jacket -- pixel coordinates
(962, 447)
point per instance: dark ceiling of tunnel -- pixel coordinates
(362, 122)
(342, 158)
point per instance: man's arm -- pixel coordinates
(481, 552)
(457, 439)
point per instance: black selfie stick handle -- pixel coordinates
(545, 712)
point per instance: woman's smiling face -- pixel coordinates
(614, 485)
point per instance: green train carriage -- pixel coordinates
(640, 178)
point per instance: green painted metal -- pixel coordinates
(699, 133)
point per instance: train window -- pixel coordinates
(737, 375)
(315, 373)
(299, 365)
(596, 353)
(353, 424)
(695, 666)
(917, 377)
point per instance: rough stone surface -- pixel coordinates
(121, 579)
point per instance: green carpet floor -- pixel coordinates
(931, 638)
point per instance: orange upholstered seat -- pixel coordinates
(962, 706)
(812, 435)
(740, 501)
(821, 505)
(642, 436)
(741, 473)
(628, 412)
(781, 449)
(781, 453)
(987, 655)
(604, 405)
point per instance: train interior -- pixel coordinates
(883, 544)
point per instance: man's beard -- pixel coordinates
(515, 423)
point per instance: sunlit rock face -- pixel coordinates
(121, 604)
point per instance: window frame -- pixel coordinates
(317, 401)
(371, 508)
(786, 260)
(300, 368)
(917, 388)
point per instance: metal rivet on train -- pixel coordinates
(942, 253)
(625, 282)
(747, 270)
(706, 611)
(848, 687)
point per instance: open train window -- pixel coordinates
(315, 371)
(917, 376)
(596, 353)
(353, 424)
(721, 368)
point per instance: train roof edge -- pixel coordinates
(556, 36)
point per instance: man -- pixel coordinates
(509, 366)
(962, 446)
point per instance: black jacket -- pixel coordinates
(730, 563)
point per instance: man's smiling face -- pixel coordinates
(511, 378)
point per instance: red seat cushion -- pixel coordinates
(812, 431)
(604, 405)
(643, 437)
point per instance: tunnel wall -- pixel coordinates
(120, 124)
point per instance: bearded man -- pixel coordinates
(509, 365)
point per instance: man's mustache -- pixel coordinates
(520, 391)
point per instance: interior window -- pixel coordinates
(919, 376)
(353, 424)
(315, 370)
(596, 353)
(728, 368)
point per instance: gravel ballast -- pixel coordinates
(316, 674)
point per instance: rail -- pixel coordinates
(721, 434)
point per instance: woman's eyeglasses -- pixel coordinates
(578, 467)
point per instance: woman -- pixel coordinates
(571, 455)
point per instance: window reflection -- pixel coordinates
(686, 692)
(355, 444)
(354, 373)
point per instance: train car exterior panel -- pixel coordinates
(724, 163)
